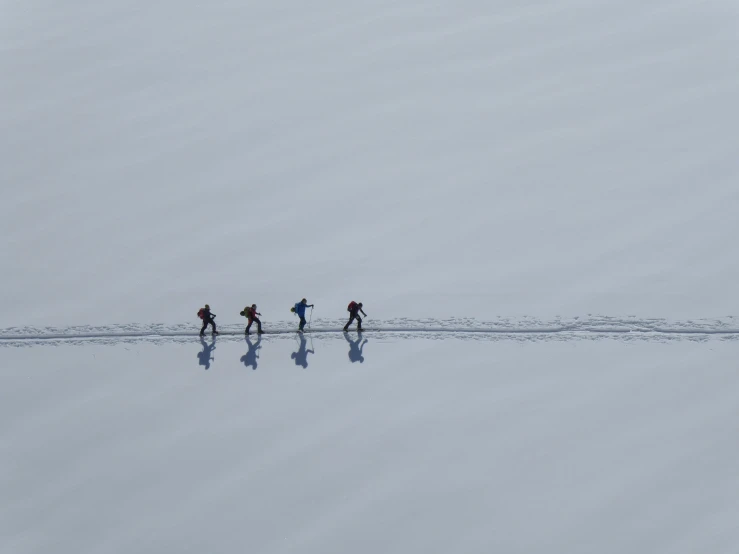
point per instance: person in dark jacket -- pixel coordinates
(208, 317)
(354, 308)
(299, 309)
(250, 312)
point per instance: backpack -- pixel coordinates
(201, 313)
(352, 306)
(248, 312)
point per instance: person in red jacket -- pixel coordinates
(250, 312)
(354, 308)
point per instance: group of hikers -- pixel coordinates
(252, 316)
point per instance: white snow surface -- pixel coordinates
(430, 158)
(536, 202)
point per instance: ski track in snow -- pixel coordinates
(521, 329)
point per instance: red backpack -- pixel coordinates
(352, 305)
(201, 313)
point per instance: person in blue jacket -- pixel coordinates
(299, 309)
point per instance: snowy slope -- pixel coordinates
(430, 158)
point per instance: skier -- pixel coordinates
(354, 308)
(250, 312)
(299, 309)
(207, 317)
